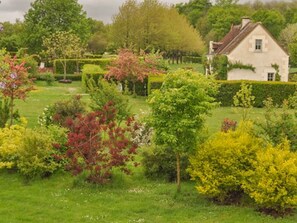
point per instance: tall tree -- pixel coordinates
(10, 36)
(125, 25)
(98, 41)
(273, 20)
(49, 16)
(152, 25)
(194, 9)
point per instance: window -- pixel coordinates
(258, 45)
(270, 77)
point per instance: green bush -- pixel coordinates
(273, 178)
(91, 71)
(48, 77)
(278, 124)
(104, 92)
(220, 163)
(35, 155)
(31, 64)
(154, 82)
(278, 91)
(10, 142)
(76, 65)
(60, 111)
(160, 164)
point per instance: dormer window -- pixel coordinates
(258, 45)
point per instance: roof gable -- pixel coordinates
(236, 35)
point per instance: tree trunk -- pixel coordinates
(11, 110)
(134, 89)
(65, 70)
(178, 172)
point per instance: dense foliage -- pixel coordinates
(96, 144)
(271, 181)
(160, 163)
(178, 110)
(220, 163)
(278, 91)
(103, 92)
(46, 17)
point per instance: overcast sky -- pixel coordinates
(10, 10)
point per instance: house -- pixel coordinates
(251, 45)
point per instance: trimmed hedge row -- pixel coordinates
(154, 82)
(278, 91)
(192, 59)
(75, 65)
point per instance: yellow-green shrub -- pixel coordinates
(272, 181)
(220, 163)
(10, 143)
(35, 156)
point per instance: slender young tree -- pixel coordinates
(178, 110)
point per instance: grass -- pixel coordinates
(134, 198)
(44, 95)
(127, 199)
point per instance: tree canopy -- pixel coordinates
(153, 25)
(49, 16)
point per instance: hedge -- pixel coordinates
(278, 91)
(91, 71)
(154, 82)
(73, 63)
(192, 59)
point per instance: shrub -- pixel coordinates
(154, 82)
(35, 157)
(228, 124)
(160, 163)
(91, 71)
(72, 64)
(272, 180)
(31, 65)
(293, 100)
(96, 145)
(278, 91)
(60, 111)
(10, 143)
(4, 111)
(48, 77)
(278, 124)
(244, 99)
(220, 163)
(106, 92)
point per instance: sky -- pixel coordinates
(103, 10)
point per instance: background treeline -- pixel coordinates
(177, 30)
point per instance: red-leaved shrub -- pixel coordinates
(97, 144)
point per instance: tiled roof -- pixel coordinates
(234, 37)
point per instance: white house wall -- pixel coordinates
(246, 54)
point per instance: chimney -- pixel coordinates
(244, 21)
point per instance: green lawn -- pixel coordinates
(194, 66)
(128, 199)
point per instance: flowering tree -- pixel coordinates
(63, 45)
(129, 66)
(14, 82)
